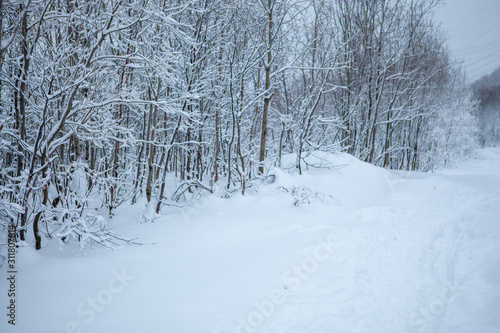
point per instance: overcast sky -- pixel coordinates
(474, 30)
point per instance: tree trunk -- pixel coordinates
(267, 85)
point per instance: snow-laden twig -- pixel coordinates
(304, 195)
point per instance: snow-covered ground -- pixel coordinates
(392, 252)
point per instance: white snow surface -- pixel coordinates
(397, 252)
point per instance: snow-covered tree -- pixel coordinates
(103, 102)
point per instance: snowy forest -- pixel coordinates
(156, 102)
(487, 91)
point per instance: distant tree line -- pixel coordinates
(487, 90)
(104, 102)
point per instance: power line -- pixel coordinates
(484, 65)
(482, 49)
(486, 57)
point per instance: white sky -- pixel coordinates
(474, 30)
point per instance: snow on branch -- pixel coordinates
(304, 195)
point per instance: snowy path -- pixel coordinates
(405, 252)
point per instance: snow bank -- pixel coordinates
(348, 179)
